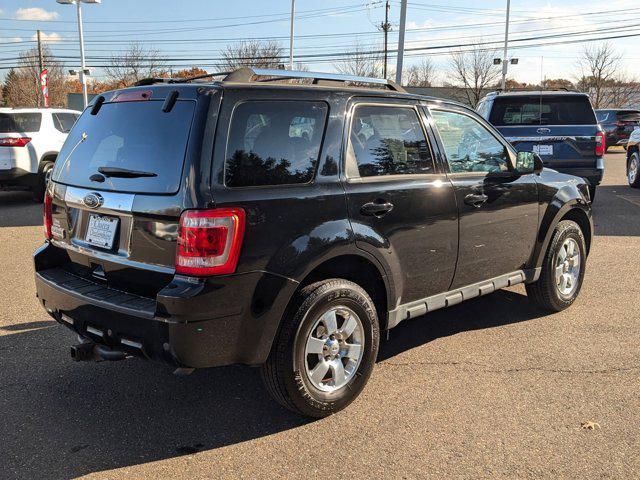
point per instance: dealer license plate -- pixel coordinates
(543, 149)
(101, 231)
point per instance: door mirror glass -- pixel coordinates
(528, 162)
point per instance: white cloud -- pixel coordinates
(52, 37)
(35, 13)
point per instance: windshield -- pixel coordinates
(542, 110)
(135, 136)
(20, 122)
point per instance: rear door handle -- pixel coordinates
(376, 209)
(476, 199)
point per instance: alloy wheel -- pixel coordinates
(334, 349)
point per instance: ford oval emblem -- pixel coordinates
(543, 130)
(93, 200)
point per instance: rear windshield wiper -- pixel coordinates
(124, 172)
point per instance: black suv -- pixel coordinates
(286, 225)
(560, 126)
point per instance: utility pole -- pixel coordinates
(505, 60)
(40, 68)
(386, 26)
(293, 14)
(403, 24)
(83, 68)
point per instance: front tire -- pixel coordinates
(326, 349)
(562, 271)
(633, 170)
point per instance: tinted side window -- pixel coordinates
(274, 143)
(389, 141)
(20, 122)
(470, 147)
(64, 121)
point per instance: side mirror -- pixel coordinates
(529, 162)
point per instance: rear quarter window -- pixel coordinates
(274, 143)
(542, 110)
(20, 122)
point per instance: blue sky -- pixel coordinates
(192, 32)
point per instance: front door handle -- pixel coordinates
(476, 199)
(376, 209)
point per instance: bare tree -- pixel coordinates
(474, 71)
(602, 76)
(360, 63)
(253, 54)
(22, 84)
(137, 63)
(422, 74)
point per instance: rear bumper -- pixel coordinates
(593, 175)
(193, 323)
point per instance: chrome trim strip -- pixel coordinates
(95, 331)
(109, 257)
(548, 139)
(113, 202)
(131, 343)
(459, 295)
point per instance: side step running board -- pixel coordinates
(453, 297)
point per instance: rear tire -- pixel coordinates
(562, 270)
(331, 327)
(43, 176)
(633, 170)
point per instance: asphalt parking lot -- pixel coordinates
(490, 388)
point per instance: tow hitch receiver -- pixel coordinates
(92, 352)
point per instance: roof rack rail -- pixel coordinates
(248, 74)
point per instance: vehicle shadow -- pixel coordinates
(501, 308)
(17, 209)
(616, 211)
(70, 419)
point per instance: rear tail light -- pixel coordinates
(48, 215)
(601, 144)
(14, 141)
(209, 241)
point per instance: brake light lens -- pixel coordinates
(209, 241)
(48, 215)
(133, 96)
(601, 144)
(14, 141)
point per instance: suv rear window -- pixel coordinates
(130, 135)
(542, 110)
(274, 143)
(20, 122)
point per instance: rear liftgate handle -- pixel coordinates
(476, 199)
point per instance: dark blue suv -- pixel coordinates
(560, 126)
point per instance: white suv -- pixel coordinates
(30, 139)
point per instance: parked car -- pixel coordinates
(30, 140)
(192, 225)
(633, 159)
(618, 125)
(560, 126)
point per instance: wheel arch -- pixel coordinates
(561, 208)
(360, 269)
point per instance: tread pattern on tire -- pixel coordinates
(272, 371)
(541, 291)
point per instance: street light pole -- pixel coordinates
(505, 62)
(403, 23)
(293, 14)
(83, 79)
